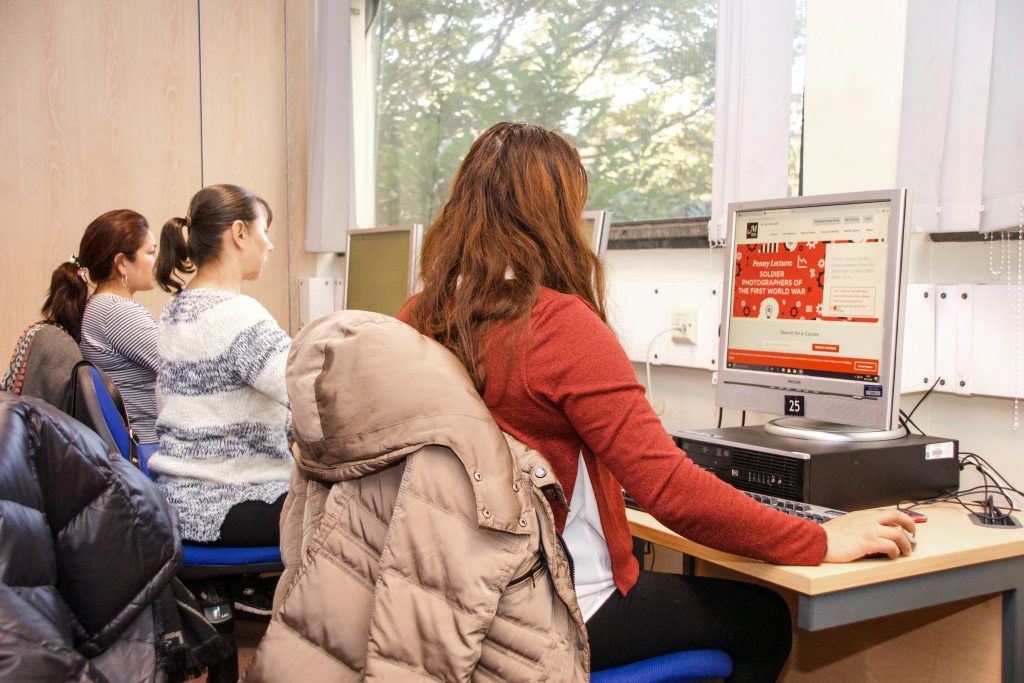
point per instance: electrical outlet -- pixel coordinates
(684, 325)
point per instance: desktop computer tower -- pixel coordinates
(841, 475)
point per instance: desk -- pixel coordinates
(954, 559)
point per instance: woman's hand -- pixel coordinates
(868, 532)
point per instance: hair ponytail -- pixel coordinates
(212, 211)
(65, 302)
(173, 257)
(121, 231)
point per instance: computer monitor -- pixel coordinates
(812, 313)
(380, 267)
(596, 226)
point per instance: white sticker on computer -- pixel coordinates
(938, 451)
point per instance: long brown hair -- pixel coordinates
(122, 231)
(516, 205)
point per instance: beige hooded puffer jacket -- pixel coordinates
(417, 538)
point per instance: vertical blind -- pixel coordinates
(754, 67)
(330, 194)
(962, 124)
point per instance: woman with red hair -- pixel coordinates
(511, 287)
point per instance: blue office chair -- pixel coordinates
(679, 667)
(98, 404)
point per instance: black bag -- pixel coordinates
(190, 644)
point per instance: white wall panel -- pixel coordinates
(952, 339)
(316, 298)
(919, 339)
(979, 341)
(997, 349)
(641, 311)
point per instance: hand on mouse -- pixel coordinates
(868, 532)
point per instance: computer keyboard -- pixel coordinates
(814, 513)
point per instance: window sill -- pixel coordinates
(668, 233)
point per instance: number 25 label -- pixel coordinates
(795, 405)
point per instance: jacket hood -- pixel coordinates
(366, 390)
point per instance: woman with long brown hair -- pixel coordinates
(511, 287)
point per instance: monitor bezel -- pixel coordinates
(764, 391)
(602, 224)
(415, 243)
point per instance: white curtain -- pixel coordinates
(330, 195)
(962, 125)
(752, 96)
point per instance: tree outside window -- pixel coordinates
(630, 83)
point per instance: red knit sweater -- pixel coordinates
(566, 386)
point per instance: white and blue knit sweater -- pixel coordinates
(223, 406)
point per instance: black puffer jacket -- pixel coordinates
(87, 543)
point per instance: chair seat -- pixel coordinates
(677, 667)
(227, 555)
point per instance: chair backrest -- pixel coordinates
(97, 403)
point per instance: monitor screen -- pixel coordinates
(813, 306)
(596, 226)
(380, 267)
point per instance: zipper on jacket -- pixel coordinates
(552, 493)
(568, 555)
(531, 573)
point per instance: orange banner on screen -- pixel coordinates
(831, 319)
(827, 348)
(803, 361)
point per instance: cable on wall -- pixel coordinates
(647, 365)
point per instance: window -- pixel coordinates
(632, 83)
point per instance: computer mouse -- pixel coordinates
(909, 536)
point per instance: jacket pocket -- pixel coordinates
(530, 576)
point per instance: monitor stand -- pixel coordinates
(803, 428)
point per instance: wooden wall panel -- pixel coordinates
(243, 119)
(100, 111)
(300, 51)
